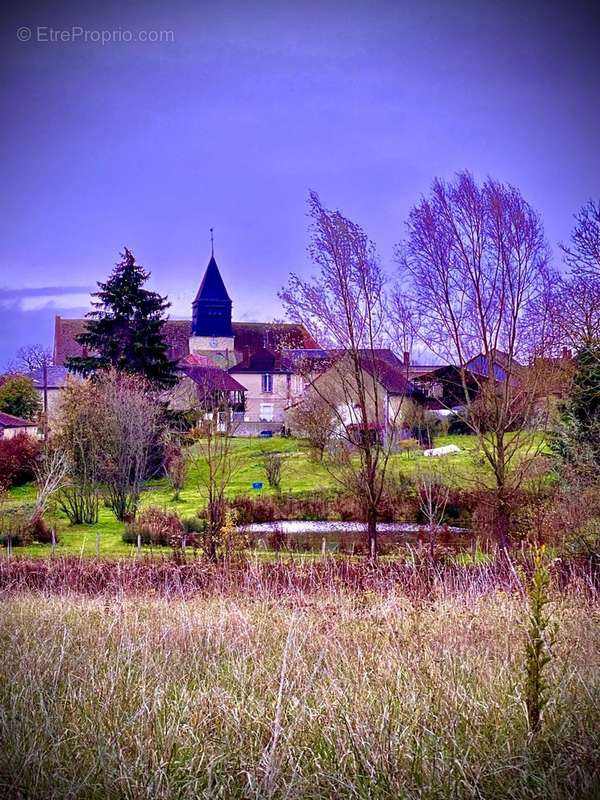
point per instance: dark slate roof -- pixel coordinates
(8, 421)
(212, 286)
(212, 378)
(176, 334)
(55, 377)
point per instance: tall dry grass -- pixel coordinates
(363, 692)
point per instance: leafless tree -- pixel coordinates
(314, 419)
(216, 462)
(50, 473)
(575, 298)
(343, 307)
(36, 357)
(582, 254)
(433, 494)
(130, 425)
(476, 259)
(79, 432)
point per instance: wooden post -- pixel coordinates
(323, 546)
(9, 546)
(97, 544)
(139, 544)
(53, 534)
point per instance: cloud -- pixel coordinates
(7, 295)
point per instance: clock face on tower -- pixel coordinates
(213, 342)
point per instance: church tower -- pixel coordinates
(212, 332)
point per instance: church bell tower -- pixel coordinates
(212, 332)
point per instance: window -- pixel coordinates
(266, 412)
(297, 385)
(267, 383)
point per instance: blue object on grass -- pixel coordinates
(257, 485)
(266, 434)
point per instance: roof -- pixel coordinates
(56, 377)
(176, 334)
(212, 379)
(8, 421)
(501, 364)
(263, 360)
(391, 376)
(212, 286)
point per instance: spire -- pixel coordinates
(212, 286)
(212, 306)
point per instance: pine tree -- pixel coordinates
(124, 330)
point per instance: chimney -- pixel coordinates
(246, 357)
(277, 359)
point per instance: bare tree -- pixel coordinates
(314, 419)
(130, 421)
(50, 473)
(216, 461)
(476, 259)
(79, 432)
(33, 358)
(343, 307)
(575, 299)
(433, 494)
(582, 254)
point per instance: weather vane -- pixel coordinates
(212, 243)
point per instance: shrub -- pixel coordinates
(272, 465)
(155, 526)
(18, 459)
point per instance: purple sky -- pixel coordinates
(149, 144)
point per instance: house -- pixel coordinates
(11, 426)
(387, 390)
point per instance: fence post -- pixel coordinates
(97, 544)
(139, 543)
(53, 540)
(9, 546)
(323, 546)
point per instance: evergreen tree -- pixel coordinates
(577, 440)
(124, 331)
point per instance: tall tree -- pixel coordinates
(575, 298)
(343, 307)
(582, 254)
(125, 329)
(475, 260)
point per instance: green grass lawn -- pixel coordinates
(301, 475)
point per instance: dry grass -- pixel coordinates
(373, 692)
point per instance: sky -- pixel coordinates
(238, 109)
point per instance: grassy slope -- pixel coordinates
(300, 476)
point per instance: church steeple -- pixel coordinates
(212, 307)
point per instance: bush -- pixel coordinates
(155, 526)
(18, 459)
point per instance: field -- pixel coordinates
(323, 690)
(301, 476)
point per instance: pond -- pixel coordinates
(341, 537)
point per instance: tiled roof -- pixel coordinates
(8, 421)
(211, 378)
(253, 335)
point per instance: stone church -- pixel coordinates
(252, 360)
